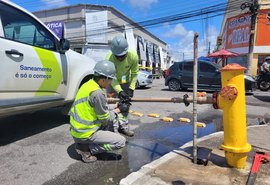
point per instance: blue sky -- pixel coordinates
(179, 35)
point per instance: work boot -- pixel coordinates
(84, 151)
(87, 157)
(126, 132)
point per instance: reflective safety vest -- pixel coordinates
(126, 70)
(83, 119)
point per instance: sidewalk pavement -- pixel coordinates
(177, 168)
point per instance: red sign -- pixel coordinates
(263, 28)
(238, 31)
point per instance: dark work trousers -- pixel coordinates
(123, 119)
(103, 140)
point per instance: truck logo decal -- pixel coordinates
(49, 61)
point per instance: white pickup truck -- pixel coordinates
(37, 70)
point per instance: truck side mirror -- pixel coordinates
(64, 45)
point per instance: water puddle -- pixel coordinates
(156, 139)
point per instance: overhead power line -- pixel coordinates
(165, 10)
(211, 11)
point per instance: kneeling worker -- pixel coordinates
(90, 118)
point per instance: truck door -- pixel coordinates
(31, 68)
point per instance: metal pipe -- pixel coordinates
(195, 84)
(200, 100)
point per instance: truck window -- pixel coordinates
(20, 27)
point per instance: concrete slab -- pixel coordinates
(177, 167)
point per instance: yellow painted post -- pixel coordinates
(231, 99)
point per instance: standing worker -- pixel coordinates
(126, 64)
(90, 118)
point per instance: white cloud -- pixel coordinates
(54, 3)
(166, 25)
(179, 30)
(146, 4)
(184, 47)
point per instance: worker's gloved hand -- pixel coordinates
(123, 107)
(130, 92)
(123, 96)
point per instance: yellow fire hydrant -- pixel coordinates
(231, 99)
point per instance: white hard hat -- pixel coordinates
(105, 68)
(119, 46)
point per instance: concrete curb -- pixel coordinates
(133, 177)
(142, 172)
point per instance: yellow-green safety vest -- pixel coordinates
(126, 70)
(83, 119)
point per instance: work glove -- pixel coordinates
(123, 107)
(123, 96)
(130, 92)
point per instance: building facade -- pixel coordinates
(246, 31)
(90, 29)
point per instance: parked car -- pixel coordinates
(180, 76)
(145, 78)
(37, 70)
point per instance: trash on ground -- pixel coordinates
(154, 115)
(200, 124)
(167, 119)
(186, 120)
(201, 94)
(138, 114)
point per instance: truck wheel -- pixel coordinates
(65, 109)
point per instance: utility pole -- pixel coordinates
(195, 82)
(253, 8)
(209, 48)
(183, 56)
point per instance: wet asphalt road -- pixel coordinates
(37, 148)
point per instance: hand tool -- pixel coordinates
(259, 158)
